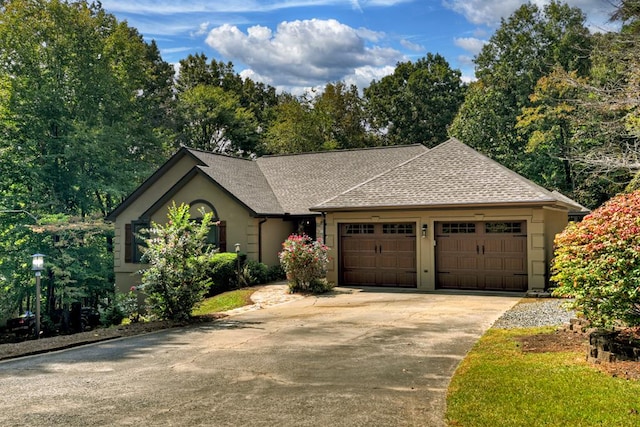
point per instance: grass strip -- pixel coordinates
(225, 301)
(499, 385)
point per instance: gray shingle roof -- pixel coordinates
(451, 174)
(243, 179)
(448, 175)
(304, 180)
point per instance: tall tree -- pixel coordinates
(416, 103)
(84, 106)
(293, 128)
(526, 46)
(255, 98)
(212, 119)
(83, 92)
(339, 113)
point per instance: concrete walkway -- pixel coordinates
(267, 296)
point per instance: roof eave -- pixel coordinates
(536, 203)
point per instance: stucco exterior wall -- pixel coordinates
(555, 222)
(541, 223)
(239, 223)
(125, 273)
(274, 232)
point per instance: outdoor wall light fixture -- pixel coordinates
(424, 230)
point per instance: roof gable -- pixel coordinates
(243, 180)
(170, 163)
(451, 174)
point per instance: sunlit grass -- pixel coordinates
(498, 385)
(225, 301)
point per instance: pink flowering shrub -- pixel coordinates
(597, 262)
(305, 262)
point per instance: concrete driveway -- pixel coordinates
(356, 358)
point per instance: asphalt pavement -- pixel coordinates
(358, 357)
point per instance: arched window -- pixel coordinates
(218, 232)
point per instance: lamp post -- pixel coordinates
(37, 262)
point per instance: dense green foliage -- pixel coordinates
(83, 107)
(223, 269)
(177, 255)
(557, 104)
(597, 262)
(416, 103)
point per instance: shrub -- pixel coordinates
(222, 269)
(178, 255)
(305, 262)
(254, 273)
(597, 262)
(112, 315)
(275, 273)
(130, 305)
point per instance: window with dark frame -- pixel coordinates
(459, 228)
(359, 229)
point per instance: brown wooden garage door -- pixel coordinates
(482, 255)
(378, 254)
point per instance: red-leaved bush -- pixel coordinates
(305, 262)
(597, 262)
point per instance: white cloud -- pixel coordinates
(202, 30)
(470, 44)
(412, 46)
(483, 12)
(370, 35)
(300, 53)
(489, 12)
(176, 50)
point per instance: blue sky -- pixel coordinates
(296, 45)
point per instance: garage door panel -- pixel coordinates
(459, 281)
(481, 255)
(515, 283)
(466, 263)
(359, 261)
(515, 265)
(494, 264)
(359, 277)
(382, 254)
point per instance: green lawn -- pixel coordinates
(225, 301)
(498, 385)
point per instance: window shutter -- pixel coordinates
(128, 245)
(222, 236)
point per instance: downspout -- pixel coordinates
(262, 221)
(324, 227)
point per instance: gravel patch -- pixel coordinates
(536, 312)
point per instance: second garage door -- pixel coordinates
(378, 254)
(482, 255)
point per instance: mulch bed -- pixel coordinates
(10, 349)
(564, 340)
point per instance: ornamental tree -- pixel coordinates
(597, 262)
(177, 252)
(305, 262)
